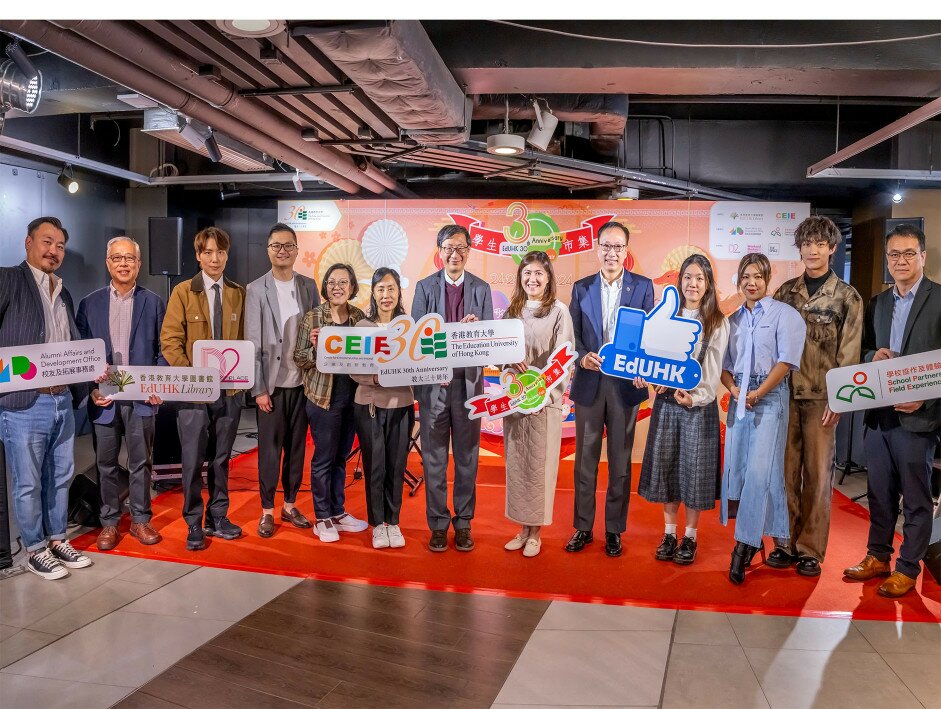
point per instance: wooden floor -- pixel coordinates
(324, 644)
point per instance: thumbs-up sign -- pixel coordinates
(665, 334)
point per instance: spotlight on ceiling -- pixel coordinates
(625, 193)
(230, 193)
(543, 128)
(506, 143)
(22, 60)
(17, 90)
(896, 197)
(298, 185)
(252, 28)
(66, 180)
(212, 147)
(191, 133)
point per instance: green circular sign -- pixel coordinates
(534, 388)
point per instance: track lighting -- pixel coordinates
(192, 134)
(897, 195)
(22, 61)
(543, 127)
(225, 194)
(506, 143)
(298, 185)
(212, 147)
(66, 180)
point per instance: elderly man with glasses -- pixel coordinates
(274, 305)
(128, 318)
(900, 440)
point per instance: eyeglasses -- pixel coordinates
(276, 247)
(337, 284)
(122, 258)
(612, 248)
(459, 250)
(907, 256)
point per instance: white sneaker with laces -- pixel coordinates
(44, 564)
(68, 556)
(326, 531)
(396, 538)
(380, 537)
(348, 523)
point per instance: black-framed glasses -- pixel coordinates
(287, 248)
(459, 250)
(613, 248)
(907, 256)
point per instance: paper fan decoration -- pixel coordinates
(677, 256)
(348, 251)
(386, 244)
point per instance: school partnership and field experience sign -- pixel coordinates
(409, 353)
(887, 382)
(400, 234)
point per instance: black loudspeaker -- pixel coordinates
(166, 246)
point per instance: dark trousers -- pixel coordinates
(197, 424)
(899, 463)
(383, 439)
(138, 434)
(284, 430)
(608, 411)
(332, 430)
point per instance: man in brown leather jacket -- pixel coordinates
(833, 311)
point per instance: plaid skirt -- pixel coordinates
(681, 460)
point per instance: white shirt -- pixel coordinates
(459, 281)
(289, 311)
(610, 302)
(211, 297)
(705, 393)
(54, 312)
(287, 301)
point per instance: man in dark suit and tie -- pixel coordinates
(274, 306)
(128, 318)
(900, 440)
(604, 404)
(458, 296)
(37, 425)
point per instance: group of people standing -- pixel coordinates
(775, 480)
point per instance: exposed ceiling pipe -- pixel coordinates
(143, 50)
(94, 58)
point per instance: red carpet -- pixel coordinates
(635, 578)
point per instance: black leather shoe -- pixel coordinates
(222, 528)
(612, 544)
(808, 566)
(439, 540)
(667, 548)
(463, 541)
(685, 554)
(295, 517)
(741, 556)
(266, 526)
(579, 540)
(781, 559)
(195, 539)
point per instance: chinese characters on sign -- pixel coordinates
(53, 364)
(885, 383)
(169, 383)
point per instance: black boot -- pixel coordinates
(741, 557)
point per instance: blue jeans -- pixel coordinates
(40, 457)
(754, 466)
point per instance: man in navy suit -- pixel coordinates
(601, 404)
(37, 426)
(458, 296)
(128, 318)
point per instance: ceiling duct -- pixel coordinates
(399, 69)
(607, 113)
(164, 125)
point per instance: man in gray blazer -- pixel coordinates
(458, 296)
(274, 304)
(900, 440)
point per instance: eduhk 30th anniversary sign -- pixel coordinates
(408, 353)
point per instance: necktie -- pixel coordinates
(217, 313)
(746, 365)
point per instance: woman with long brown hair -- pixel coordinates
(681, 460)
(533, 440)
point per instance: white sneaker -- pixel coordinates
(326, 531)
(532, 547)
(516, 543)
(348, 523)
(44, 564)
(67, 555)
(396, 538)
(380, 537)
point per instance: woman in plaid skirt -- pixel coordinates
(681, 460)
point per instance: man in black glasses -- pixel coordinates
(604, 405)
(273, 305)
(458, 296)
